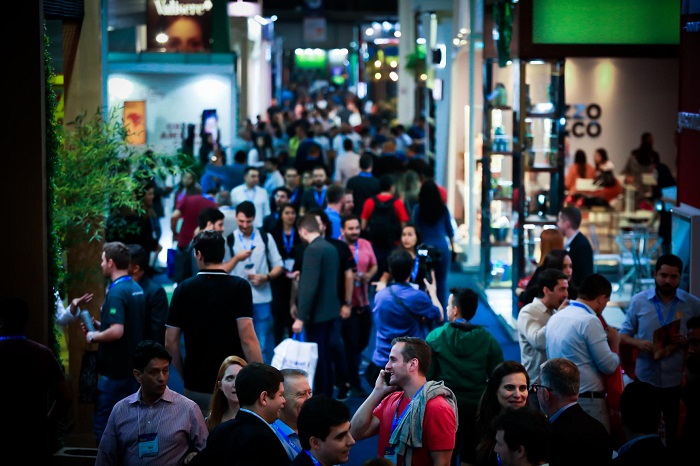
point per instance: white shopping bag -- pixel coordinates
(295, 353)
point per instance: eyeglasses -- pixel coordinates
(536, 387)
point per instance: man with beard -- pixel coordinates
(649, 311)
(315, 197)
(552, 291)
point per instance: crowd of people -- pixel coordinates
(351, 255)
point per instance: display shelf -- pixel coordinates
(500, 165)
(522, 177)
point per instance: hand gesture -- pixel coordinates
(86, 298)
(297, 326)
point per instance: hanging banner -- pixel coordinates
(315, 29)
(174, 26)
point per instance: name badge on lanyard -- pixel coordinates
(148, 445)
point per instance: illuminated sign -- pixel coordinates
(605, 22)
(175, 8)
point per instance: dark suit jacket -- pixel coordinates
(302, 459)
(156, 309)
(318, 283)
(645, 452)
(581, 254)
(579, 439)
(243, 441)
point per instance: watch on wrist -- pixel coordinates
(348, 303)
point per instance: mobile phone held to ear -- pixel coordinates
(387, 378)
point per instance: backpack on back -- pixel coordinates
(231, 240)
(383, 226)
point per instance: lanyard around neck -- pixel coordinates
(671, 312)
(397, 420)
(320, 197)
(119, 280)
(288, 241)
(581, 305)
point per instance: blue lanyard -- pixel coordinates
(313, 460)
(209, 197)
(366, 175)
(582, 306)
(671, 312)
(414, 273)
(13, 337)
(397, 420)
(252, 240)
(320, 197)
(286, 438)
(119, 280)
(294, 196)
(288, 243)
(461, 320)
(247, 194)
(357, 253)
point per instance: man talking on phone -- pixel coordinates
(416, 419)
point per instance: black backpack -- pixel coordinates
(383, 226)
(231, 239)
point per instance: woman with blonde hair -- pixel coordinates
(224, 401)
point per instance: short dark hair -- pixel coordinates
(671, 260)
(246, 208)
(14, 314)
(138, 256)
(386, 182)
(309, 223)
(573, 215)
(274, 161)
(693, 322)
(211, 245)
(317, 416)
(335, 193)
(117, 252)
(249, 168)
(347, 144)
(415, 348)
(147, 350)
(466, 300)
(549, 278)
(527, 428)
(640, 408)
(561, 376)
(594, 285)
(291, 168)
(256, 378)
(400, 264)
(366, 161)
(346, 218)
(209, 214)
(240, 156)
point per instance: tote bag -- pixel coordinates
(295, 353)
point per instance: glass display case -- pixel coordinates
(522, 166)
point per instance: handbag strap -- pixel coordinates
(418, 317)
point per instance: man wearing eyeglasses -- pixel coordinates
(578, 438)
(576, 333)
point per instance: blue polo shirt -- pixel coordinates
(642, 319)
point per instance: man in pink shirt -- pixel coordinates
(356, 328)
